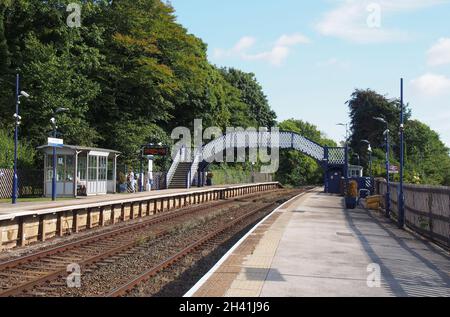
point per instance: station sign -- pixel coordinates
(156, 151)
(55, 142)
(393, 169)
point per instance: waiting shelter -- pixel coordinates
(80, 171)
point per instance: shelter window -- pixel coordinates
(92, 169)
(82, 168)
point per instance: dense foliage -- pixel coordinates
(427, 159)
(128, 75)
(25, 152)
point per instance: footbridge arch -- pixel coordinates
(187, 163)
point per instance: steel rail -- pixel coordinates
(15, 290)
(129, 286)
(115, 232)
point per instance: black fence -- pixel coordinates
(30, 183)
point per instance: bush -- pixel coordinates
(25, 153)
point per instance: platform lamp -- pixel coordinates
(401, 197)
(17, 119)
(369, 150)
(386, 138)
(346, 152)
(55, 127)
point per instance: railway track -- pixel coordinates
(129, 286)
(19, 276)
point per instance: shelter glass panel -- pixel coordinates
(82, 160)
(92, 173)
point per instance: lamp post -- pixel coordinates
(252, 171)
(55, 127)
(346, 130)
(388, 194)
(369, 149)
(401, 198)
(346, 152)
(17, 119)
(141, 172)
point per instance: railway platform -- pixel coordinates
(26, 223)
(312, 246)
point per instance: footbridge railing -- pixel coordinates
(214, 150)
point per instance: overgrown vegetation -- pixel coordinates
(128, 75)
(427, 159)
(25, 152)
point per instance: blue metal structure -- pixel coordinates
(332, 159)
(17, 119)
(401, 198)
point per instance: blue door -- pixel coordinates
(334, 181)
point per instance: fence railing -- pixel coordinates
(427, 209)
(30, 183)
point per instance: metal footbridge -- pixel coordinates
(189, 164)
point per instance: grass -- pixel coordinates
(35, 199)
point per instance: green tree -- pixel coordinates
(253, 100)
(25, 152)
(427, 159)
(128, 75)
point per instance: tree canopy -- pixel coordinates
(427, 159)
(128, 75)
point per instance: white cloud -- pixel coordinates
(290, 40)
(242, 45)
(431, 84)
(333, 62)
(275, 56)
(361, 21)
(439, 53)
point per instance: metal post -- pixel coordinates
(325, 173)
(346, 166)
(141, 172)
(54, 166)
(401, 199)
(388, 192)
(15, 183)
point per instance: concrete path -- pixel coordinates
(314, 247)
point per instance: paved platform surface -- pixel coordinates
(21, 207)
(314, 247)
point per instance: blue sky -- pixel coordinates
(309, 56)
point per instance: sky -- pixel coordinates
(309, 56)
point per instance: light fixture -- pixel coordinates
(380, 119)
(24, 94)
